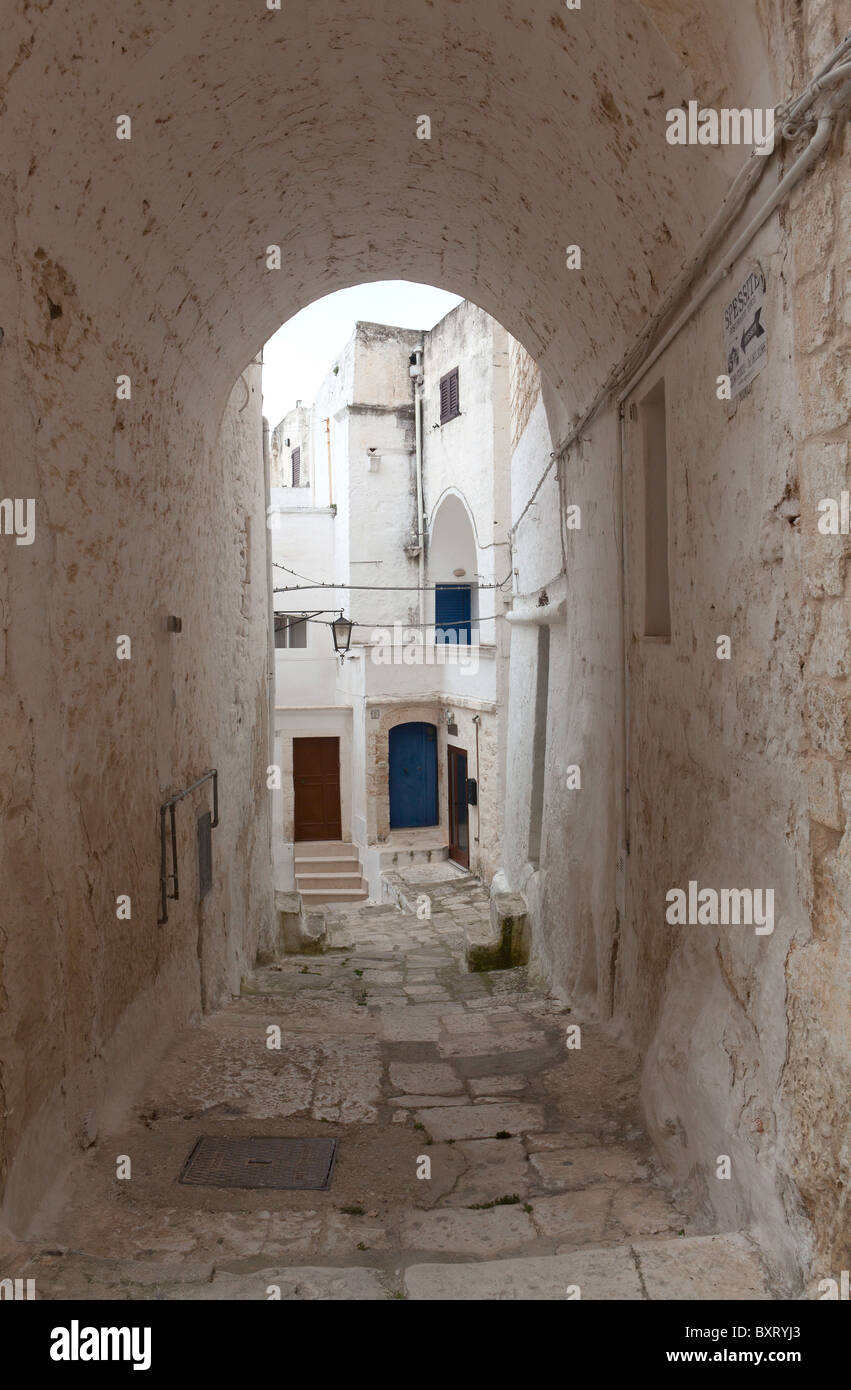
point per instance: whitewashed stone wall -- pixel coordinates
(151, 257)
(89, 1000)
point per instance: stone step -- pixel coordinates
(725, 1267)
(326, 864)
(398, 857)
(693, 1268)
(329, 880)
(311, 896)
(340, 849)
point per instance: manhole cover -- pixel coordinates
(259, 1162)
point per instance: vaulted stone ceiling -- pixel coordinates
(297, 127)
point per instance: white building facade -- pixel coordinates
(390, 504)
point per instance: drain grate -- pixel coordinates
(295, 1164)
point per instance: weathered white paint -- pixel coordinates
(547, 130)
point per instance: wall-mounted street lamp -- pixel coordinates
(341, 631)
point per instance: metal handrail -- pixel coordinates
(169, 807)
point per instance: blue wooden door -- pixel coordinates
(453, 606)
(413, 776)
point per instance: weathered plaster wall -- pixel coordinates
(95, 744)
(297, 427)
(303, 540)
(816, 1082)
(716, 791)
(744, 1037)
(382, 508)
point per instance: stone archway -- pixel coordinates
(274, 157)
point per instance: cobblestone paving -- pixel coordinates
(541, 1176)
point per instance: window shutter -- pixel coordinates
(296, 456)
(449, 407)
(453, 393)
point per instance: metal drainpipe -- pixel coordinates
(835, 110)
(270, 674)
(624, 592)
(819, 143)
(476, 719)
(328, 441)
(418, 424)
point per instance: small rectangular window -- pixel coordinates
(296, 462)
(449, 406)
(290, 631)
(453, 610)
(657, 596)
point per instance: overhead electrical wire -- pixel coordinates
(373, 588)
(382, 623)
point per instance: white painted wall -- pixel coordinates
(362, 538)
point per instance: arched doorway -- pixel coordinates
(413, 776)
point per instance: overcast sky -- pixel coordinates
(297, 358)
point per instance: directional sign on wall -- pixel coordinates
(745, 336)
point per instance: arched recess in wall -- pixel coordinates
(452, 568)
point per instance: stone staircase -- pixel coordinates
(329, 871)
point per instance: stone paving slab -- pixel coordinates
(575, 1218)
(468, 1232)
(481, 1122)
(497, 1085)
(297, 1285)
(579, 1167)
(417, 1102)
(703, 1267)
(428, 1078)
(599, 1274)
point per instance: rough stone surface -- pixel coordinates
(336, 1073)
(719, 1267)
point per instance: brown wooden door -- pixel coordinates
(459, 825)
(316, 779)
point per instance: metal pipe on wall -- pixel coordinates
(418, 425)
(270, 653)
(328, 441)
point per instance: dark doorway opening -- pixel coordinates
(459, 826)
(316, 781)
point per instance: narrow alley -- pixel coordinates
(425, 668)
(542, 1177)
